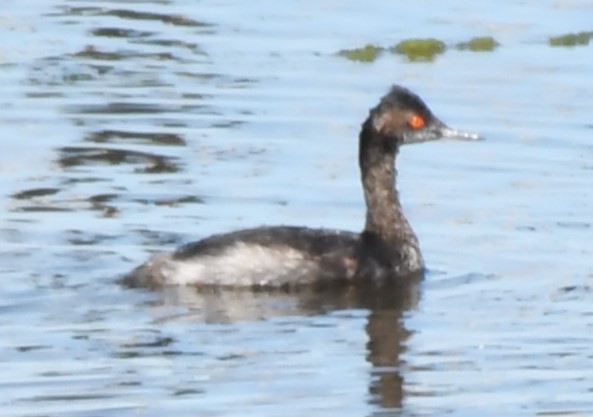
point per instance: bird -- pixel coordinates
(297, 256)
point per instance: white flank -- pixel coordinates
(241, 264)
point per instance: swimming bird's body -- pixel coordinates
(285, 256)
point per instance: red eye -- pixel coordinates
(416, 121)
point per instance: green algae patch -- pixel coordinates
(419, 49)
(367, 53)
(479, 44)
(571, 39)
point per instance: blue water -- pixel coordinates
(128, 127)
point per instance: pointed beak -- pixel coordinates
(438, 130)
(450, 133)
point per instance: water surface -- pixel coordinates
(134, 126)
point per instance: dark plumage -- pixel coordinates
(286, 256)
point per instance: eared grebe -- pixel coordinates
(286, 256)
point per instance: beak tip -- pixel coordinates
(458, 134)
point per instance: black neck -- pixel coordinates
(385, 216)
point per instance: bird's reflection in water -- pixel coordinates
(385, 328)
